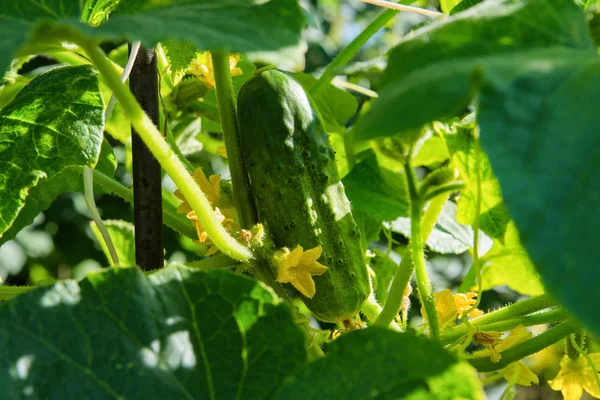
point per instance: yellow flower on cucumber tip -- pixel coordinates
(298, 267)
(575, 376)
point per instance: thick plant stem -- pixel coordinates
(349, 51)
(405, 270)
(231, 136)
(417, 252)
(172, 220)
(165, 155)
(515, 310)
(503, 326)
(526, 348)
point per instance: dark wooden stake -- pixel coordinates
(147, 196)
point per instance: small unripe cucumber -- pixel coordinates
(297, 188)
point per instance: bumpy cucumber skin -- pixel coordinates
(298, 191)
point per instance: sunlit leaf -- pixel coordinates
(176, 334)
(235, 25)
(55, 122)
(376, 363)
(434, 72)
(474, 166)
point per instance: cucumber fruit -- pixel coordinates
(297, 188)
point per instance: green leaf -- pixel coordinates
(539, 129)
(376, 363)
(46, 191)
(180, 55)
(432, 152)
(10, 86)
(448, 5)
(434, 73)
(509, 264)
(237, 25)
(53, 123)
(464, 147)
(122, 236)
(95, 12)
(335, 105)
(464, 5)
(375, 191)
(177, 334)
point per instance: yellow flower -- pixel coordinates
(445, 307)
(464, 301)
(298, 267)
(524, 375)
(202, 68)
(212, 189)
(495, 347)
(450, 306)
(575, 376)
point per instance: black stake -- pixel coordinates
(147, 197)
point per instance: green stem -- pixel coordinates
(521, 308)
(231, 137)
(418, 251)
(503, 326)
(526, 348)
(349, 51)
(8, 292)
(171, 218)
(164, 154)
(88, 185)
(476, 224)
(372, 309)
(406, 267)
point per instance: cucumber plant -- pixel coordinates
(300, 205)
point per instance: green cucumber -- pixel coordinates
(297, 188)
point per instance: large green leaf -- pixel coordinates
(474, 165)
(539, 129)
(53, 123)
(176, 334)
(433, 73)
(70, 179)
(377, 192)
(235, 25)
(381, 364)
